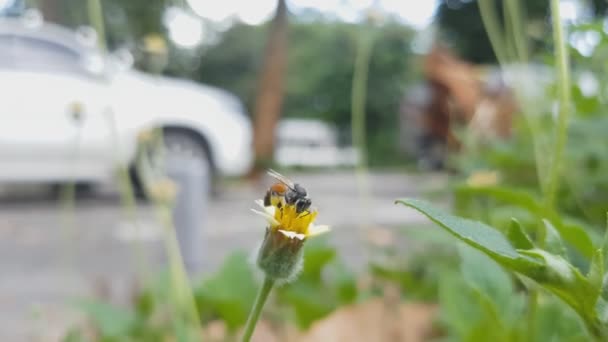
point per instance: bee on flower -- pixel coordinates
(291, 220)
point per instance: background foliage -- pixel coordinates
(552, 257)
(320, 64)
(319, 76)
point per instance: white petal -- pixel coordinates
(267, 216)
(317, 230)
(269, 209)
(292, 235)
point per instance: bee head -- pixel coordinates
(302, 204)
(300, 191)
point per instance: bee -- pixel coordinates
(286, 192)
(275, 196)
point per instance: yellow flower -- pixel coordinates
(280, 255)
(155, 43)
(289, 222)
(483, 178)
(163, 190)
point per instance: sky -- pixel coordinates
(186, 29)
(414, 12)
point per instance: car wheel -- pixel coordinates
(180, 153)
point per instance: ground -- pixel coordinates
(50, 255)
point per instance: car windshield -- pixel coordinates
(34, 54)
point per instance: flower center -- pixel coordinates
(290, 220)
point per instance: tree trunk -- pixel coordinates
(269, 98)
(51, 11)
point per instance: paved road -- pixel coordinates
(49, 255)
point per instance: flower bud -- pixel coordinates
(281, 255)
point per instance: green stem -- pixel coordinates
(358, 99)
(605, 240)
(561, 133)
(490, 22)
(516, 18)
(561, 136)
(127, 197)
(254, 315)
(96, 19)
(513, 17)
(181, 291)
(532, 312)
(67, 195)
(509, 36)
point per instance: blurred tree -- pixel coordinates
(51, 10)
(233, 62)
(462, 27)
(318, 84)
(269, 98)
(599, 7)
(126, 21)
(321, 72)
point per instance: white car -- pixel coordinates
(311, 143)
(69, 112)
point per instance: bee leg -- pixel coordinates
(267, 202)
(302, 204)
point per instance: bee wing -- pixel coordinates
(281, 178)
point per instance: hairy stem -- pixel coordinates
(256, 310)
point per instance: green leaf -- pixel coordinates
(518, 237)
(566, 282)
(578, 237)
(309, 302)
(230, 292)
(145, 303)
(596, 270)
(458, 310)
(570, 232)
(74, 335)
(311, 296)
(112, 322)
(554, 322)
(492, 326)
(553, 241)
(317, 254)
(477, 235)
(345, 283)
(519, 197)
(486, 276)
(601, 308)
(551, 271)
